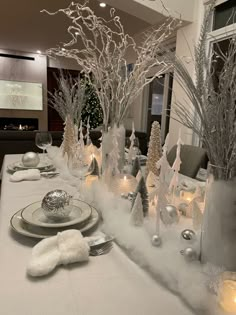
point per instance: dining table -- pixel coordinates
(110, 284)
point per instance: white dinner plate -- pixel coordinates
(23, 228)
(42, 166)
(33, 214)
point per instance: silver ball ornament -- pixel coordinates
(189, 254)
(56, 204)
(131, 196)
(30, 159)
(188, 235)
(156, 240)
(183, 208)
(169, 215)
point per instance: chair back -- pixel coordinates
(192, 157)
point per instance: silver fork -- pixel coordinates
(49, 174)
(104, 249)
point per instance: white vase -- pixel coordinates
(218, 241)
(107, 146)
(121, 144)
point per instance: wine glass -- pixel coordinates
(43, 140)
(136, 147)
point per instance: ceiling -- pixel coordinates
(24, 28)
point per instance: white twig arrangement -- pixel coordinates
(100, 47)
(213, 96)
(69, 99)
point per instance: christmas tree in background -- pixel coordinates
(154, 149)
(92, 108)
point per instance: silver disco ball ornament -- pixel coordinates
(169, 215)
(189, 254)
(156, 240)
(188, 236)
(57, 204)
(30, 159)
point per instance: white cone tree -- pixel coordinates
(136, 217)
(69, 139)
(154, 149)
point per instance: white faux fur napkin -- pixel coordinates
(64, 248)
(31, 174)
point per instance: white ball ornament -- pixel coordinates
(189, 254)
(169, 215)
(30, 159)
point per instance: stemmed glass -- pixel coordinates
(43, 140)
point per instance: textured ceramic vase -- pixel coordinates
(218, 241)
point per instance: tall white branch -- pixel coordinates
(102, 50)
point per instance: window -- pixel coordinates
(224, 15)
(223, 30)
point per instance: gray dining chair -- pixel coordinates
(192, 157)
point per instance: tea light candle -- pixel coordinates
(187, 196)
(90, 179)
(123, 184)
(227, 296)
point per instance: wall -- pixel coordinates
(154, 11)
(63, 63)
(29, 71)
(186, 39)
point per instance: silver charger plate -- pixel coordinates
(33, 214)
(18, 166)
(23, 228)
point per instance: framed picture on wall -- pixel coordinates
(21, 95)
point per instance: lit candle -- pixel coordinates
(187, 196)
(227, 294)
(123, 184)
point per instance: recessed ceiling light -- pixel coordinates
(102, 4)
(38, 51)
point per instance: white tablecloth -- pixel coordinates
(106, 285)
